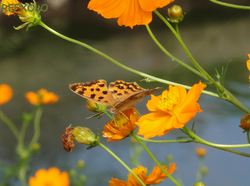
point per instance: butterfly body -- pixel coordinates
(119, 96)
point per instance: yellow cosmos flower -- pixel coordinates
(122, 125)
(154, 178)
(172, 110)
(51, 177)
(41, 97)
(128, 12)
(6, 93)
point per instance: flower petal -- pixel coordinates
(152, 104)
(108, 8)
(154, 127)
(149, 5)
(116, 182)
(134, 15)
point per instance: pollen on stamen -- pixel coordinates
(167, 103)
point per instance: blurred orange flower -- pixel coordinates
(172, 110)
(154, 178)
(6, 93)
(128, 12)
(122, 125)
(41, 97)
(248, 65)
(200, 151)
(51, 177)
(13, 7)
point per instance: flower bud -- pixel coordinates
(201, 152)
(204, 170)
(83, 135)
(245, 122)
(175, 14)
(80, 164)
(199, 184)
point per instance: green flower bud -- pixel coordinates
(83, 135)
(175, 14)
(199, 184)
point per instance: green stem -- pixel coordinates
(10, 124)
(118, 159)
(197, 139)
(230, 5)
(229, 97)
(248, 138)
(155, 160)
(36, 127)
(208, 77)
(105, 112)
(165, 141)
(199, 174)
(117, 63)
(22, 175)
(22, 135)
(171, 56)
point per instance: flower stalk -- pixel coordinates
(119, 160)
(155, 160)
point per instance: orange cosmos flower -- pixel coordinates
(122, 125)
(51, 177)
(128, 12)
(6, 93)
(172, 110)
(154, 178)
(41, 97)
(200, 151)
(248, 65)
(11, 7)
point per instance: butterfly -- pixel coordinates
(119, 96)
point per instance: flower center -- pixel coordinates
(168, 103)
(120, 120)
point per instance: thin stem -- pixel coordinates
(227, 95)
(22, 134)
(155, 160)
(248, 138)
(171, 56)
(10, 124)
(22, 175)
(165, 141)
(117, 63)
(36, 126)
(208, 77)
(118, 159)
(230, 5)
(197, 139)
(105, 112)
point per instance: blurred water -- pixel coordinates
(51, 63)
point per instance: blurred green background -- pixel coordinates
(215, 35)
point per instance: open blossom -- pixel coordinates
(171, 110)
(155, 177)
(128, 12)
(122, 125)
(11, 7)
(51, 177)
(41, 97)
(6, 93)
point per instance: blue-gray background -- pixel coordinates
(215, 35)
